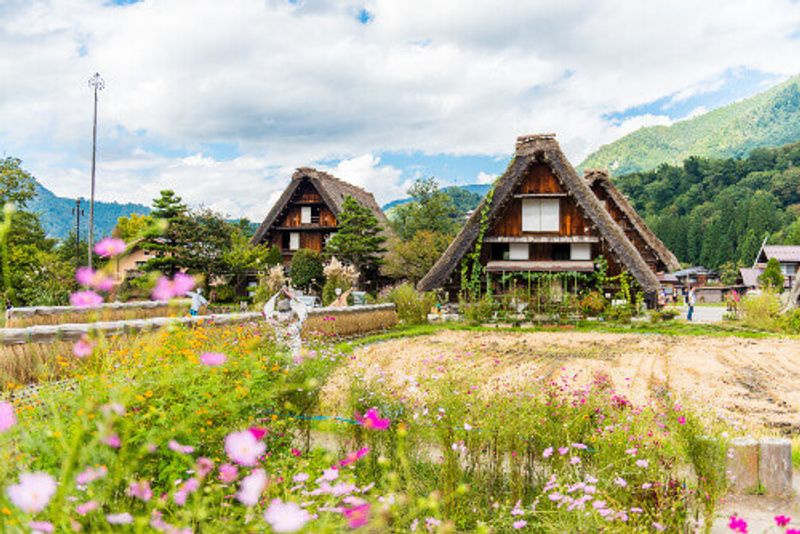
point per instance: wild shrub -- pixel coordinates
(761, 311)
(337, 276)
(478, 311)
(412, 306)
(306, 270)
(593, 304)
(790, 321)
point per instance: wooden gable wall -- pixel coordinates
(306, 195)
(541, 180)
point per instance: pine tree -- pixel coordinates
(772, 277)
(358, 239)
(163, 241)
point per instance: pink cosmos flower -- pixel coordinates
(87, 507)
(792, 531)
(177, 447)
(286, 516)
(251, 487)
(33, 492)
(563, 450)
(782, 520)
(212, 359)
(110, 246)
(300, 478)
(243, 448)
(579, 446)
(228, 473)
(357, 516)
(88, 277)
(682, 420)
(296, 452)
(90, 475)
(372, 420)
(519, 524)
(574, 460)
(642, 463)
(7, 416)
(329, 475)
(353, 457)
(548, 452)
(632, 451)
(186, 489)
(85, 299)
(737, 524)
(113, 441)
(659, 527)
(621, 482)
(204, 466)
(140, 490)
(41, 527)
(120, 519)
(177, 287)
(83, 347)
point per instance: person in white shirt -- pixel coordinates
(198, 301)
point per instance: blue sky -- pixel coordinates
(222, 100)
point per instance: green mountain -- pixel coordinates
(465, 197)
(58, 217)
(769, 119)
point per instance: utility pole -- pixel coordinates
(77, 211)
(98, 84)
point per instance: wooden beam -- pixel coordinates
(542, 239)
(541, 195)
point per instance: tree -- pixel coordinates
(243, 258)
(306, 270)
(412, 259)
(772, 277)
(16, 184)
(200, 241)
(163, 239)
(358, 239)
(132, 227)
(274, 256)
(430, 209)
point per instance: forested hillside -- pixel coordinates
(769, 119)
(717, 211)
(58, 218)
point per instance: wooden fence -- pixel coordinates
(111, 311)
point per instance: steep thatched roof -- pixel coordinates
(333, 191)
(529, 150)
(601, 178)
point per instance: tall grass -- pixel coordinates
(69, 315)
(333, 324)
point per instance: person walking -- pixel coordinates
(198, 301)
(690, 301)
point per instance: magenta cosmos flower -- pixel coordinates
(782, 520)
(353, 457)
(737, 524)
(33, 492)
(140, 490)
(85, 299)
(243, 448)
(7, 416)
(228, 473)
(110, 246)
(212, 359)
(167, 289)
(286, 516)
(357, 516)
(372, 420)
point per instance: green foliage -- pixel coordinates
(714, 212)
(790, 321)
(478, 311)
(306, 269)
(593, 304)
(768, 119)
(274, 256)
(17, 186)
(132, 227)
(168, 206)
(761, 311)
(337, 276)
(772, 277)
(413, 259)
(412, 306)
(358, 239)
(471, 267)
(430, 210)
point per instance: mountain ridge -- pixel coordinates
(767, 119)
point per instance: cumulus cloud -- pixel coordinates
(306, 83)
(485, 178)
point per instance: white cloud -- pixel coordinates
(291, 85)
(485, 178)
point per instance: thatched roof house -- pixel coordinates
(541, 216)
(307, 212)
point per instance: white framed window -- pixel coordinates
(540, 215)
(305, 215)
(518, 251)
(580, 251)
(294, 241)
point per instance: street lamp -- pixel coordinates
(98, 84)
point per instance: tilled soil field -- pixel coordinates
(753, 382)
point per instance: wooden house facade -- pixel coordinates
(541, 217)
(305, 215)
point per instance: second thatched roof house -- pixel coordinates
(540, 217)
(305, 215)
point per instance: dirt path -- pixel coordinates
(752, 382)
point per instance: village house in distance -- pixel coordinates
(305, 215)
(543, 217)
